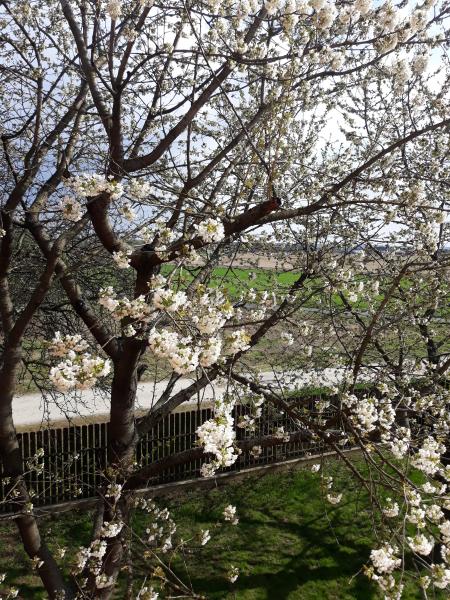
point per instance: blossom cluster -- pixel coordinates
(114, 9)
(91, 558)
(71, 209)
(423, 507)
(428, 457)
(159, 534)
(139, 189)
(178, 350)
(87, 185)
(84, 186)
(229, 514)
(120, 308)
(169, 300)
(233, 574)
(369, 412)
(121, 259)
(210, 230)
(197, 319)
(384, 559)
(207, 311)
(61, 345)
(217, 436)
(237, 341)
(164, 238)
(162, 528)
(210, 310)
(147, 593)
(79, 370)
(253, 403)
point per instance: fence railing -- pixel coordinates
(73, 455)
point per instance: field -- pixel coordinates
(289, 544)
(318, 309)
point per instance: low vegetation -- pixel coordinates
(290, 543)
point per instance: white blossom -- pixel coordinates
(217, 437)
(169, 300)
(428, 457)
(126, 210)
(110, 530)
(384, 559)
(237, 341)
(76, 371)
(440, 576)
(391, 510)
(210, 230)
(334, 498)
(434, 513)
(419, 64)
(129, 331)
(123, 307)
(114, 9)
(444, 528)
(165, 237)
(421, 544)
(256, 451)
(281, 434)
(71, 209)
(229, 514)
(399, 447)
(147, 593)
(114, 490)
(121, 259)
(233, 574)
(60, 346)
(317, 4)
(288, 338)
(139, 189)
(86, 185)
(363, 6)
(210, 351)
(205, 537)
(182, 355)
(103, 581)
(416, 515)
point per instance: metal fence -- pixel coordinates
(73, 455)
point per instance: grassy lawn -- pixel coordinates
(237, 279)
(289, 543)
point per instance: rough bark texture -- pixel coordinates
(11, 458)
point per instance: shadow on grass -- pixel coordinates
(286, 560)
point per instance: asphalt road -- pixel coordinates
(34, 409)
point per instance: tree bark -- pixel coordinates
(11, 457)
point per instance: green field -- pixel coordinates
(289, 544)
(235, 279)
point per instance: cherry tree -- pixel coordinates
(144, 144)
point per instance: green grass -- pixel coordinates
(235, 279)
(289, 544)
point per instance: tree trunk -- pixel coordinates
(13, 470)
(122, 443)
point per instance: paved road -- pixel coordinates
(33, 409)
